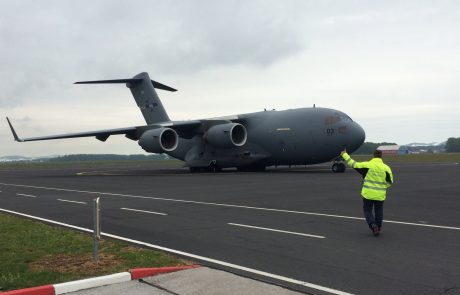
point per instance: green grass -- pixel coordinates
(415, 158)
(28, 252)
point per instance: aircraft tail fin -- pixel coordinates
(143, 90)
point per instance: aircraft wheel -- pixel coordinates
(213, 167)
(261, 168)
(335, 168)
(338, 167)
(251, 168)
(194, 169)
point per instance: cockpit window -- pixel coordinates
(345, 118)
(338, 117)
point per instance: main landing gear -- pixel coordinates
(338, 166)
(213, 167)
(252, 168)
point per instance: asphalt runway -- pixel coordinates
(299, 227)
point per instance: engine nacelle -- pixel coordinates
(159, 140)
(227, 135)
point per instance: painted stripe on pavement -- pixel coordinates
(277, 230)
(226, 205)
(24, 195)
(70, 201)
(143, 211)
(198, 257)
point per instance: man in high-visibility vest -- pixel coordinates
(377, 177)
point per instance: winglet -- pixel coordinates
(14, 132)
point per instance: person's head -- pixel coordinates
(377, 154)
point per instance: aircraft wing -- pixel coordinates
(188, 129)
(184, 128)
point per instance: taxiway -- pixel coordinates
(300, 227)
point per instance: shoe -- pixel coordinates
(375, 231)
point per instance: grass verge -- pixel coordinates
(34, 254)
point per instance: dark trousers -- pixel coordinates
(370, 218)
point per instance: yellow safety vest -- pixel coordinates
(377, 179)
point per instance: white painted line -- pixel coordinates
(73, 286)
(198, 257)
(70, 201)
(277, 230)
(227, 205)
(24, 195)
(143, 211)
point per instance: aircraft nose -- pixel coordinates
(358, 136)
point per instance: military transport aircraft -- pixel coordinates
(248, 142)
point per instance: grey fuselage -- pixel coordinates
(253, 141)
(290, 137)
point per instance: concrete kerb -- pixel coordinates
(63, 288)
(92, 282)
(140, 273)
(41, 290)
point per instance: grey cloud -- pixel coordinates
(46, 44)
(189, 36)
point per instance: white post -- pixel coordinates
(97, 228)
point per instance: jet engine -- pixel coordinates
(227, 135)
(159, 140)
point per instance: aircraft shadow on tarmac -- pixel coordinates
(186, 172)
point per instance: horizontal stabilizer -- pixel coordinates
(110, 81)
(155, 84)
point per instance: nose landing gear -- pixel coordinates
(338, 166)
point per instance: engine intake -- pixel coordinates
(227, 135)
(159, 140)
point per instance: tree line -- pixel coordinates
(453, 145)
(368, 148)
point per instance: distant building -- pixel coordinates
(393, 150)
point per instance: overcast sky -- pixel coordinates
(393, 66)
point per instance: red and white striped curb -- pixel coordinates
(62, 288)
